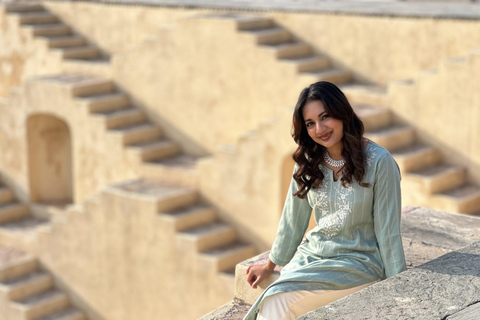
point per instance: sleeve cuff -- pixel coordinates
(277, 261)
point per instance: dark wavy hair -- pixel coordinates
(309, 154)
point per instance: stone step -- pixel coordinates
(179, 169)
(373, 118)
(177, 198)
(92, 86)
(464, 199)
(189, 217)
(40, 17)
(138, 133)
(207, 237)
(23, 7)
(271, 36)
(392, 137)
(439, 178)
(122, 117)
(335, 76)
(82, 52)
(99, 67)
(43, 304)
(157, 149)
(27, 285)
(254, 23)
(13, 211)
(66, 42)
(6, 195)
(289, 50)
(365, 94)
(226, 258)
(18, 268)
(416, 157)
(108, 102)
(66, 314)
(57, 29)
(308, 64)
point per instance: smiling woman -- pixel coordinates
(353, 187)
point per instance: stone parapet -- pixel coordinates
(444, 288)
(438, 9)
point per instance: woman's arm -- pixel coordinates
(293, 224)
(387, 213)
(291, 229)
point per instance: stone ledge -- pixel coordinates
(391, 8)
(427, 234)
(233, 310)
(444, 288)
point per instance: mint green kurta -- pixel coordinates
(357, 237)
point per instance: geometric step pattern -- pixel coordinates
(129, 124)
(215, 244)
(17, 224)
(32, 292)
(291, 51)
(50, 28)
(444, 185)
(212, 244)
(10, 209)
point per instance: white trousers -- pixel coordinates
(293, 304)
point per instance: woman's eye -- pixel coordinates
(309, 124)
(325, 117)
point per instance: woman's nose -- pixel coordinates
(319, 127)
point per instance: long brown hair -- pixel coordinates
(309, 154)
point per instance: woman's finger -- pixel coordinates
(255, 283)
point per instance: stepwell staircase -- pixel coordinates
(198, 231)
(444, 185)
(215, 244)
(159, 156)
(32, 293)
(17, 224)
(76, 51)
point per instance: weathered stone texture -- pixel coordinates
(434, 290)
(428, 234)
(233, 310)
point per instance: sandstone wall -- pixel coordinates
(444, 107)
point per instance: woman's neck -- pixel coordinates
(335, 152)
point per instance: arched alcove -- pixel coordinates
(50, 160)
(287, 170)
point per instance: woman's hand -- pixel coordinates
(259, 272)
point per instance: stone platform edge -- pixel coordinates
(389, 8)
(445, 288)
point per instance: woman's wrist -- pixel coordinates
(269, 266)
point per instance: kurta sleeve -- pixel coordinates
(387, 213)
(291, 229)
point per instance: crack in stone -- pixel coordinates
(467, 306)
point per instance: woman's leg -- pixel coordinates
(293, 304)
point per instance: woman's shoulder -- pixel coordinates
(375, 153)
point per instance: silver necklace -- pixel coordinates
(332, 162)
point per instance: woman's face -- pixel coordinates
(322, 128)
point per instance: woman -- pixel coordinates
(353, 187)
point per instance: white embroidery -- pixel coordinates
(370, 156)
(331, 223)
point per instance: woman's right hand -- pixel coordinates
(257, 273)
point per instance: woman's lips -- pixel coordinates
(326, 136)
